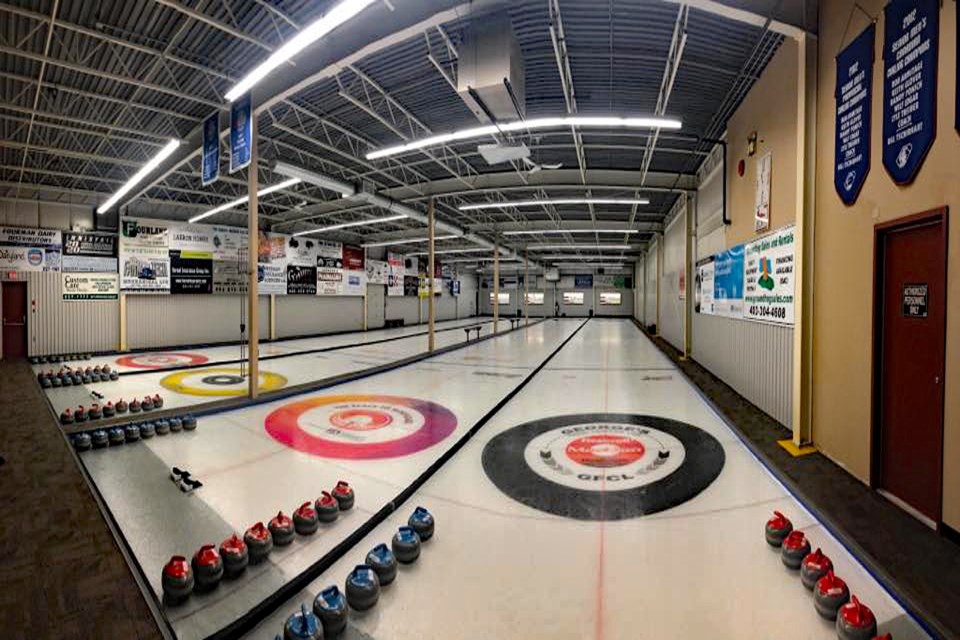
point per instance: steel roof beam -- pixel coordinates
(216, 24)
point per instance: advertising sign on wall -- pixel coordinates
(23, 249)
(853, 95)
(271, 280)
(728, 283)
(573, 297)
(353, 258)
(144, 256)
(910, 41)
(90, 286)
(229, 243)
(535, 297)
(584, 281)
(354, 283)
(301, 280)
(378, 271)
(190, 272)
(411, 285)
(768, 278)
(703, 286)
(395, 274)
(89, 252)
(229, 277)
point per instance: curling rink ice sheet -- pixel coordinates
(605, 500)
(222, 379)
(378, 433)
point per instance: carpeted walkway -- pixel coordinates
(62, 575)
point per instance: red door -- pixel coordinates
(908, 396)
(14, 319)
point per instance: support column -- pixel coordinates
(253, 289)
(123, 323)
(273, 317)
(496, 286)
(689, 250)
(526, 286)
(431, 338)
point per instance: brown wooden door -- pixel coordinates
(911, 318)
(14, 319)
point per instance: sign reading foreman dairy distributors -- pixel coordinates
(24, 249)
(90, 286)
(768, 284)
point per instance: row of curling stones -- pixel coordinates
(100, 438)
(95, 412)
(831, 596)
(362, 587)
(61, 358)
(70, 377)
(181, 578)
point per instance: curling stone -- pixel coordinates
(85, 379)
(189, 423)
(100, 439)
(147, 430)
(233, 550)
(422, 522)
(105, 368)
(113, 375)
(829, 594)
(56, 382)
(66, 417)
(45, 383)
(855, 621)
(344, 495)
(795, 548)
(305, 520)
(302, 625)
(281, 528)
(157, 401)
(814, 567)
(80, 415)
(147, 403)
(132, 433)
(207, 567)
(67, 380)
(382, 560)
(121, 406)
(259, 542)
(82, 441)
(116, 436)
(363, 587)
(95, 413)
(162, 427)
(778, 527)
(108, 410)
(406, 545)
(174, 424)
(327, 507)
(76, 380)
(88, 372)
(177, 579)
(134, 406)
(331, 608)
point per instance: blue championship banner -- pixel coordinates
(241, 133)
(210, 166)
(853, 95)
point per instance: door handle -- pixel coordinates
(936, 380)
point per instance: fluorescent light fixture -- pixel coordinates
(241, 201)
(390, 243)
(538, 203)
(574, 256)
(152, 164)
(307, 36)
(502, 259)
(608, 122)
(444, 251)
(531, 232)
(293, 171)
(589, 265)
(347, 225)
(593, 247)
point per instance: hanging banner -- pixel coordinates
(728, 283)
(90, 286)
(190, 272)
(378, 272)
(241, 133)
(853, 94)
(395, 265)
(703, 286)
(144, 255)
(301, 280)
(761, 209)
(210, 165)
(910, 40)
(25, 249)
(768, 278)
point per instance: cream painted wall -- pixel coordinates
(843, 289)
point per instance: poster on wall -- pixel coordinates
(88, 252)
(210, 164)
(728, 283)
(395, 275)
(90, 286)
(354, 283)
(411, 285)
(761, 209)
(329, 281)
(301, 252)
(614, 281)
(378, 271)
(768, 278)
(353, 258)
(24, 249)
(271, 280)
(144, 247)
(229, 243)
(535, 297)
(703, 286)
(301, 280)
(241, 133)
(190, 272)
(230, 278)
(272, 249)
(910, 41)
(611, 298)
(853, 95)
(573, 297)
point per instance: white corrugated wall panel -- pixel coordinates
(638, 283)
(672, 310)
(308, 315)
(58, 327)
(406, 308)
(171, 320)
(650, 289)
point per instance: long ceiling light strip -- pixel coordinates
(592, 247)
(554, 201)
(152, 164)
(307, 36)
(530, 232)
(574, 256)
(446, 251)
(391, 243)
(608, 122)
(348, 225)
(241, 201)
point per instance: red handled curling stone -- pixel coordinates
(422, 522)
(406, 545)
(157, 401)
(778, 527)
(281, 528)
(344, 495)
(147, 403)
(108, 410)
(382, 560)
(829, 595)
(363, 587)
(94, 413)
(134, 406)
(886, 636)
(795, 548)
(80, 415)
(177, 579)
(66, 417)
(327, 507)
(331, 608)
(233, 550)
(302, 626)
(814, 567)
(305, 520)
(855, 621)
(259, 542)
(121, 406)
(207, 567)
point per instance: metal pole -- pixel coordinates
(496, 286)
(253, 242)
(526, 284)
(431, 342)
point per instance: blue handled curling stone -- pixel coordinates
(207, 567)
(326, 507)
(100, 439)
(384, 563)
(132, 433)
(305, 520)
(331, 608)
(108, 410)
(45, 383)
(422, 522)
(406, 545)
(814, 567)
(829, 594)
(177, 580)
(82, 441)
(259, 542)
(134, 406)
(795, 548)
(95, 413)
(778, 527)
(56, 381)
(233, 550)
(281, 528)
(189, 423)
(76, 380)
(175, 425)
(116, 436)
(157, 401)
(302, 625)
(122, 406)
(66, 417)
(162, 426)
(113, 375)
(363, 587)
(148, 430)
(344, 495)
(147, 403)
(855, 621)
(85, 379)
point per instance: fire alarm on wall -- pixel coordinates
(741, 166)
(752, 143)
